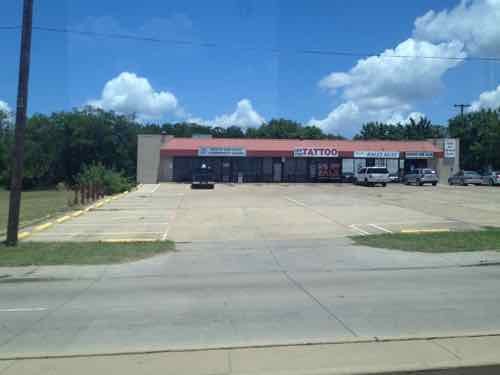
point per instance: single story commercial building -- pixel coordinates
(165, 158)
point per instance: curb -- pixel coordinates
(41, 227)
(353, 340)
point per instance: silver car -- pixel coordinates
(466, 178)
(492, 178)
(421, 177)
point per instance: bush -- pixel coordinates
(61, 186)
(112, 182)
(115, 182)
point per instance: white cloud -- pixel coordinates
(398, 119)
(244, 116)
(381, 88)
(475, 23)
(130, 94)
(488, 99)
(4, 107)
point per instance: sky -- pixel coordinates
(243, 62)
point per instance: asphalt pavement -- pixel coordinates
(237, 293)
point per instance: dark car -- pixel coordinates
(203, 178)
(466, 178)
(394, 177)
(348, 177)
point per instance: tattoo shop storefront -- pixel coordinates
(277, 160)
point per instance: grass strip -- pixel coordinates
(79, 253)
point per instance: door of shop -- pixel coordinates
(277, 172)
(226, 170)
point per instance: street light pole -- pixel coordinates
(21, 110)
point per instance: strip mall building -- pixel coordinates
(164, 158)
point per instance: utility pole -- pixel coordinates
(21, 109)
(462, 107)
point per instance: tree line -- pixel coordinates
(60, 145)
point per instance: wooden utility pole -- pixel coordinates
(462, 107)
(21, 110)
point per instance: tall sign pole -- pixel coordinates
(21, 109)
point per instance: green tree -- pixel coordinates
(6, 139)
(413, 130)
(479, 134)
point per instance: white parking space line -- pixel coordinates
(296, 202)
(165, 234)
(114, 224)
(359, 230)
(23, 309)
(94, 234)
(155, 188)
(381, 228)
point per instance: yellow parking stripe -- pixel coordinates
(424, 230)
(43, 226)
(23, 235)
(63, 219)
(97, 205)
(77, 213)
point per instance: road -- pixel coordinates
(236, 293)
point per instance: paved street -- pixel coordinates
(239, 293)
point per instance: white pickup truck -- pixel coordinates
(370, 176)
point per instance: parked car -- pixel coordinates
(372, 176)
(203, 178)
(466, 178)
(394, 177)
(421, 176)
(348, 177)
(492, 178)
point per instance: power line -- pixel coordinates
(181, 42)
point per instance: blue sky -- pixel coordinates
(255, 72)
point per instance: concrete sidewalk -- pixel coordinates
(460, 355)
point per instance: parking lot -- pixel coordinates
(278, 212)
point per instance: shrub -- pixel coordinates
(112, 182)
(61, 186)
(115, 182)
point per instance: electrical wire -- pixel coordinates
(249, 48)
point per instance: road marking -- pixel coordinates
(114, 224)
(296, 202)
(363, 232)
(93, 234)
(24, 309)
(424, 230)
(39, 228)
(77, 213)
(23, 235)
(63, 219)
(129, 240)
(100, 204)
(165, 234)
(107, 200)
(155, 188)
(381, 228)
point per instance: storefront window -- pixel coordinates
(348, 165)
